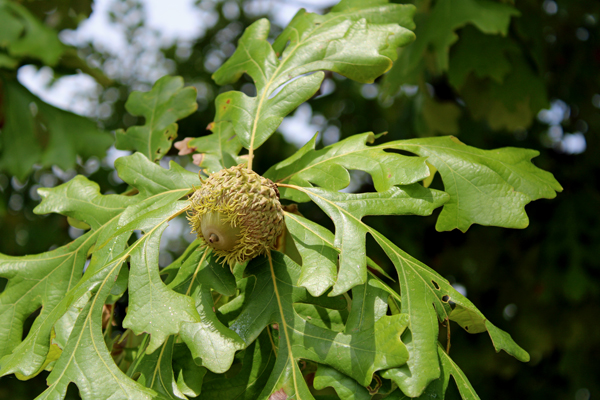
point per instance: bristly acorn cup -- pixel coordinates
(237, 214)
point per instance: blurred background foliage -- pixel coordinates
(494, 73)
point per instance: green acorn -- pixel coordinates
(237, 214)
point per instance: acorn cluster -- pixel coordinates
(237, 214)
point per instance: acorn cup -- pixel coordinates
(237, 214)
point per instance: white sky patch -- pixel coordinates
(300, 127)
(174, 19)
(557, 113)
(112, 154)
(97, 29)
(460, 289)
(63, 93)
(282, 12)
(573, 143)
(568, 143)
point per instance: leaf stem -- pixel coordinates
(284, 325)
(187, 292)
(250, 158)
(271, 340)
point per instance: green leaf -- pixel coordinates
(167, 102)
(487, 187)
(473, 321)
(319, 258)
(80, 199)
(151, 179)
(345, 387)
(440, 117)
(254, 119)
(37, 281)
(11, 25)
(8, 62)
(218, 150)
(488, 16)
(328, 167)
(257, 363)
(83, 342)
(347, 210)
(437, 389)
(450, 368)
(46, 279)
(29, 355)
(358, 42)
(503, 341)
(37, 133)
(418, 294)
(102, 272)
(357, 355)
(154, 308)
(327, 318)
(189, 375)
(420, 287)
(484, 55)
(369, 304)
(24, 36)
(436, 32)
(512, 104)
(160, 311)
(155, 371)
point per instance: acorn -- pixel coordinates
(237, 214)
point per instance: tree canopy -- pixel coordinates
(496, 75)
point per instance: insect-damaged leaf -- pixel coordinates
(425, 297)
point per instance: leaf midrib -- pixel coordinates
(284, 326)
